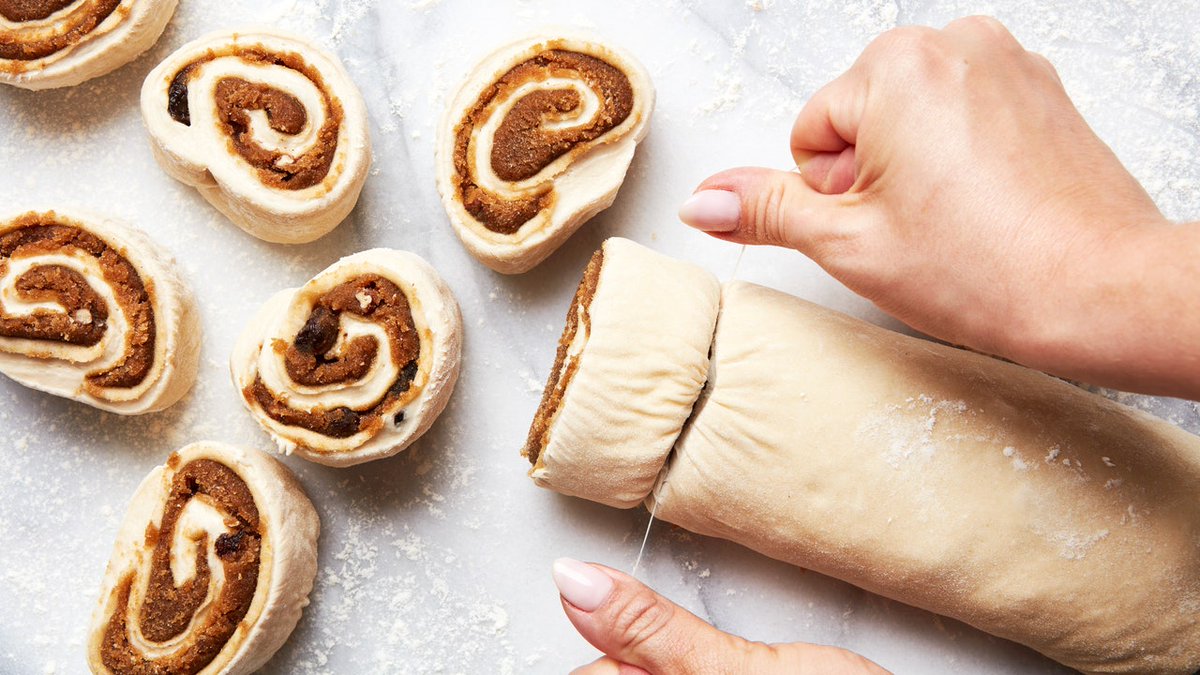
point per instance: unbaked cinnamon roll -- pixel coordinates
(212, 567)
(536, 142)
(60, 43)
(269, 128)
(94, 311)
(631, 362)
(357, 363)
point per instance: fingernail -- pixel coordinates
(581, 584)
(712, 211)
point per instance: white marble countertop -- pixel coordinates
(438, 560)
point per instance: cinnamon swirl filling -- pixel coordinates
(202, 618)
(537, 129)
(77, 315)
(317, 357)
(286, 114)
(38, 42)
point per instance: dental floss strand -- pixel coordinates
(637, 562)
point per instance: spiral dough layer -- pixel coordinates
(357, 363)
(538, 141)
(211, 569)
(270, 130)
(60, 43)
(93, 310)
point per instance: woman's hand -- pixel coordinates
(948, 178)
(641, 632)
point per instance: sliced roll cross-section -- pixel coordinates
(357, 363)
(538, 141)
(269, 128)
(61, 43)
(92, 310)
(631, 362)
(212, 567)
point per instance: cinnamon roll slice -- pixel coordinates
(212, 567)
(631, 362)
(356, 364)
(60, 43)
(538, 141)
(93, 310)
(269, 128)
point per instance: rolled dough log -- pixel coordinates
(944, 479)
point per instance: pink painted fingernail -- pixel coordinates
(712, 211)
(581, 584)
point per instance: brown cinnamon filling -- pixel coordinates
(285, 114)
(84, 318)
(15, 45)
(564, 369)
(523, 146)
(169, 608)
(309, 360)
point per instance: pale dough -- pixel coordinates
(583, 184)
(948, 480)
(437, 320)
(130, 29)
(62, 369)
(201, 154)
(286, 573)
(945, 479)
(637, 364)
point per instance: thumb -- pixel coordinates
(779, 208)
(635, 626)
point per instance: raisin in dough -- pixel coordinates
(945, 479)
(60, 43)
(212, 567)
(629, 367)
(536, 142)
(267, 126)
(93, 310)
(356, 364)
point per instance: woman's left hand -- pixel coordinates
(642, 632)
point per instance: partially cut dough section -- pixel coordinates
(947, 480)
(631, 362)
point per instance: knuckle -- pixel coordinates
(914, 51)
(900, 41)
(1044, 64)
(641, 618)
(979, 25)
(769, 213)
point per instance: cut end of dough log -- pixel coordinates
(631, 362)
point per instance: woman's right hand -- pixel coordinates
(948, 178)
